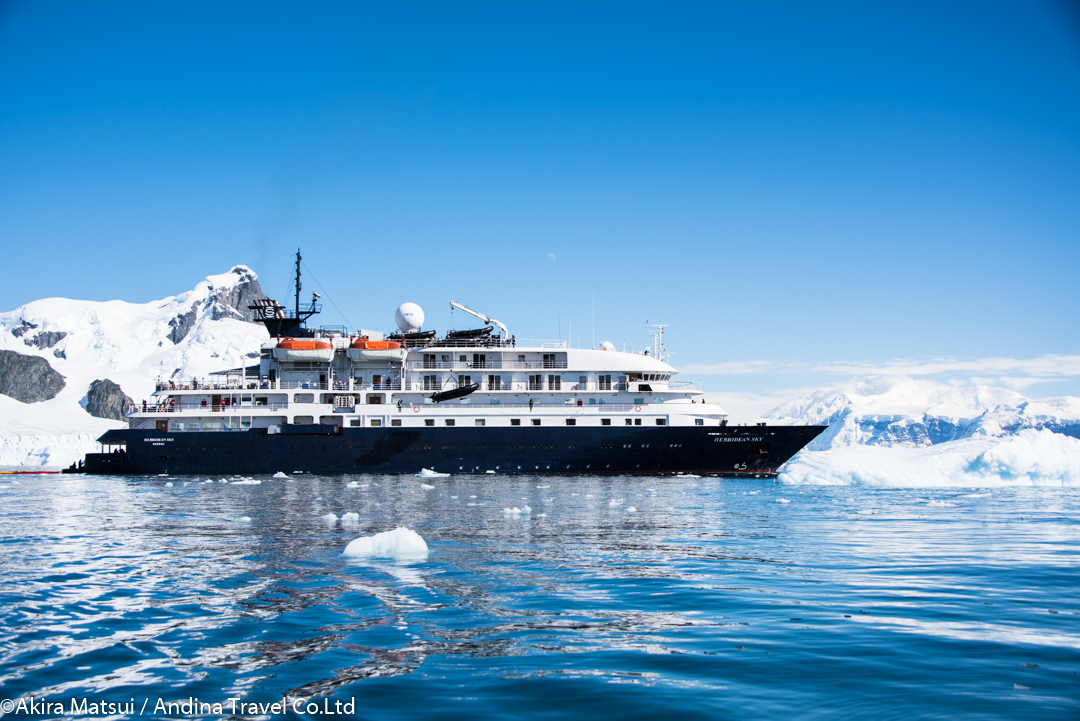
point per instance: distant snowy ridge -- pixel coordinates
(131, 344)
(900, 431)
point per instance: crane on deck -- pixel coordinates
(481, 316)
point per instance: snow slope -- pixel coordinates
(900, 431)
(194, 333)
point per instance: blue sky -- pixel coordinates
(802, 190)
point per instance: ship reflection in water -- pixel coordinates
(709, 595)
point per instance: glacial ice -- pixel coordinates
(279, 474)
(400, 543)
(350, 517)
(329, 517)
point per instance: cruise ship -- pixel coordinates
(327, 401)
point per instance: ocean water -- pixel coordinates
(713, 599)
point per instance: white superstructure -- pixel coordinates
(364, 382)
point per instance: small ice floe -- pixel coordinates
(279, 474)
(575, 494)
(163, 475)
(472, 496)
(428, 473)
(223, 480)
(631, 509)
(400, 543)
(1019, 687)
(515, 511)
(687, 475)
(783, 500)
(169, 484)
(587, 495)
(454, 497)
(5, 485)
(298, 473)
(615, 502)
(940, 503)
(329, 518)
(543, 486)
(651, 490)
(247, 482)
(976, 495)
(490, 472)
(427, 486)
(350, 518)
(245, 519)
(541, 515)
(754, 492)
(208, 481)
(352, 484)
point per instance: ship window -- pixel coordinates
(395, 421)
(571, 421)
(628, 422)
(376, 422)
(536, 421)
(639, 401)
(699, 421)
(554, 383)
(429, 421)
(637, 421)
(661, 421)
(354, 422)
(515, 421)
(605, 421)
(461, 359)
(449, 421)
(479, 421)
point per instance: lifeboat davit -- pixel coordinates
(381, 350)
(290, 349)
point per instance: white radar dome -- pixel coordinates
(607, 345)
(409, 317)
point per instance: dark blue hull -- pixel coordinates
(728, 450)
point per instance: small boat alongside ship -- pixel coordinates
(329, 401)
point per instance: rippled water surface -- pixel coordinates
(714, 598)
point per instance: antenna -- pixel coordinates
(658, 340)
(594, 320)
(297, 282)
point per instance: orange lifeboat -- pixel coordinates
(293, 344)
(365, 344)
(290, 349)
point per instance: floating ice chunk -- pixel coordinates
(297, 473)
(491, 472)
(169, 484)
(615, 502)
(223, 480)
(543, 486)
(939, 503)
(247, 482)
(575, 494)
(279, 474)
(400, 543)
(515, 511)
(426, 485)
(245, 519)
(472, 496)
(541, 515)
(651, 490)
(329, 518)
(208, 481)
(976, 495)
(588, 495)
(454, 497)
(783, 500)
(163, 475)
(428, 473)
(352, 484)
(687, 475)
(350, 517)
(754, 492)
(631, 509)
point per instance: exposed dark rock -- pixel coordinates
(106, 400)
(233, 302)
(18, 332)
(181, 324)
(28, 378)
(60, 354)
(45, 339)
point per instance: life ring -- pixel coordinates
(416, 409)
(637, 408)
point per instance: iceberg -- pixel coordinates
(428, 473)
(401, 543)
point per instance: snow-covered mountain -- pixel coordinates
(43, 416)
(900, 431)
